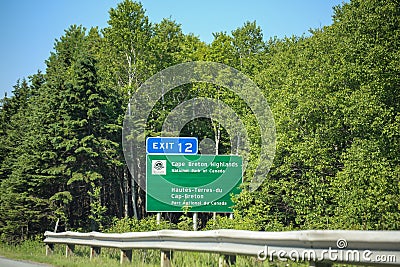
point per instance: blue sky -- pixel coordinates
(29, 27)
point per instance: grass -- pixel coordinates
(34, 250)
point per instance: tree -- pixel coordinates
(166, 44)
(249, 46)
(329, 96)
(69, 149)
(126, 65)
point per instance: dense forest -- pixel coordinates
(335, 97)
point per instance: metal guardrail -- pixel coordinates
(319, 247)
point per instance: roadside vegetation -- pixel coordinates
(334, 94)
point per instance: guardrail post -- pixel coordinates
(94, 252)
(69, 250)
(166, 257)
(126, 256)
(165, 254)
(49, 249)
(226, 260)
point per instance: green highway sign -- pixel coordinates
(197, 183)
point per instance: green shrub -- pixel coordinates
(134, 225)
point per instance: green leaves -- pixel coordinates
(64, 197)
(335, 97)
(68, 140)
(367, 189)
(334, 166)
(126, 43)
(86, 177)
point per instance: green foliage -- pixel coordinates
(97, 210)
(368, 193)
(185, 222)
(335, 97)
(134, 225)
(329, 94)
(237, 223)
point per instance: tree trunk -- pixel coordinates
(126, 193)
